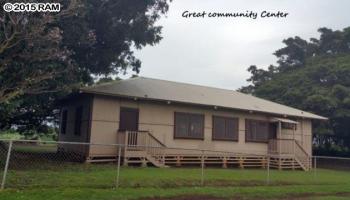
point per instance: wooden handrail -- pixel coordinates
(284, 139)
(299, 145)
(143, 132)
(152, 136)
(291, 147)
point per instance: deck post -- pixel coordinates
(294, 140)
(118, 170)
(224, 162)
(202, 165)
(263, 162)
(241, 162)
(178, 162)
(125, 162)
(144, 162)
(126, 140)
(6, 165)
(279, 144)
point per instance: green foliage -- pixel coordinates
(50, 135)
(313, 76)
(88, 39)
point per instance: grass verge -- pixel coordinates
(97, 181)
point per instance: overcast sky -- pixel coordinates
(217, 51)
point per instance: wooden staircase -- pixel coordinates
(284, 163)
(288, 154)
(142, 148)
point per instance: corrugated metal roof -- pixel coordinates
(155, 89)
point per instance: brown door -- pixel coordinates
(129, 119)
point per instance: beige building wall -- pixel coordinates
(158, 118)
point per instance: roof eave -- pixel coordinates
(317, 117)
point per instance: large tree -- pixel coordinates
(314, 76)
(56, 53)
(31, 52)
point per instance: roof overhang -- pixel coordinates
(150, 89)
(87, 91)
(275, 119)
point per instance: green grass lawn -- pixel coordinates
(13, 135)
(30, 148)
(97, 181)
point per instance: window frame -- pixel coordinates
(225, 118)
(189, 122)
(78, 120)
(256, 140)
(288, 126)
(128, 109)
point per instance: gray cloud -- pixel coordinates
(217, 51)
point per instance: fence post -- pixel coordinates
(118, 169)
(315, 166)
(6, 165)
(268, 170)
(202, 165)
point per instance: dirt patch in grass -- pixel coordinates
(217, 183)
(247, 183)
(305, 196)
(189, 197)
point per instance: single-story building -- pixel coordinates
(185, 124)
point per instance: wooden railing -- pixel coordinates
(155, 148)
(302, 156)
(281, 146)
(142, 141)
(290, 147)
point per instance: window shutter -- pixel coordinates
(64, 122)
(197, 126)
(189, 125)
(182, 125)
(219, 127)
(257, 130)
(225, 128)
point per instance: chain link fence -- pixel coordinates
(37, 164)
(34, 164)
(333, 163)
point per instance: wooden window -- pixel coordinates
(78, 120)
(225, 128)
(286, 125)
(258, 131)
(189, 126)
(64, 121)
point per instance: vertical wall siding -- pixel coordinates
(158, 118)
(86, 102)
